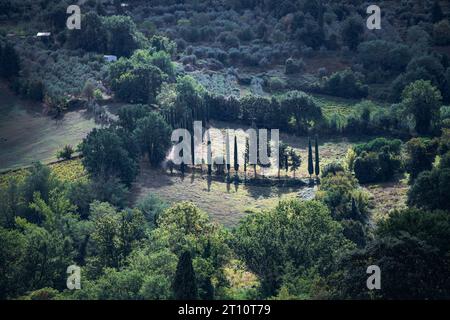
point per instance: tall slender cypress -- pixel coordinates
(236, 160)
(184, 285)
(227, 150)
(317, 167)
(310, 159)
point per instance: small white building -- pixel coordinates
(110, 58)
(43, 34)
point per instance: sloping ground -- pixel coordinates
(27, 135)
(225, 203)
(387, 197)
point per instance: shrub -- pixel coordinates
(332, 168)
(228, 39)
(294, 66)
(66, 153)
(345, 84)
(377, 160)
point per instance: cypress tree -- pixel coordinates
(184, 285)
(355, 214)
(317, 167)
(227, 150)
(286, 162)
(236, 163)
(207, 288)
(310, 159)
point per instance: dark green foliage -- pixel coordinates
(339, 192)
(235, 157)
(302, 108)
(352, 31)
(107, 152)
(436, 12)
(332, 168)
(129, 116)
(421, 273)
(377, 160)
(161, 43)
(39, 181)
(296, 161)
(9, 61)
(355, 231)
(114, 233)
(425, 67)
(430, 190)
(139, 85)
(378, 144)
(152, 207)
(423, 101)
(373, 167)
(123, 38)
(386, 55)
(93, 36)
(152, 134)
(310, 159)
(421, 153)
(411, 248)
(317, 160)
(185, 283)
(346, 84)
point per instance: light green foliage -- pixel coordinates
(115, 233)
(303, 235)
(139, 78)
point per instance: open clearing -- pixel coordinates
(28, 135)
(225, 203)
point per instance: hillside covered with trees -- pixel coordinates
(364, 157)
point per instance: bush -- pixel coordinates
(332, 168)
(228, 39)
(430, 190)
(377, 160)
(383, 54)
(346, 84)
(293, 66)
(66, 153)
